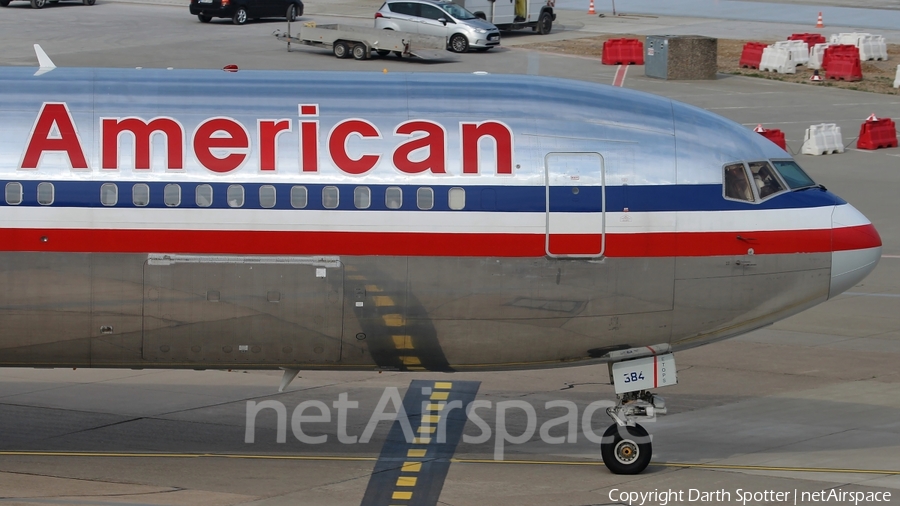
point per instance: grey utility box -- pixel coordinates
(684, 57)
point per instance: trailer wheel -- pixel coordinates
(360, 52)
(340, 49)
(38, 4)
(545, 23)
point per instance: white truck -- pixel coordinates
(514, 14)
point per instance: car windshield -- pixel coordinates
(457, 11)
(793, 175)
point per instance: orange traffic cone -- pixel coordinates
(591, 8)
(819, 23)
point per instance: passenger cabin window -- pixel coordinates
(298, 197)
(203, 195)
(425, 198)
(431, 12)
(767, 182)
(45, 194)
(362, 197)
(234, 195)
(140, 195)
(457, 198)
(267, 196)
(172, 195)
(393, 197)
(109, 194)
(793, 175)
(737, 185)
(330, 197)
(13, 193)
(407, 8)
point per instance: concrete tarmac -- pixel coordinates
(807, 405)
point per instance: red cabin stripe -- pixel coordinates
(691, 244)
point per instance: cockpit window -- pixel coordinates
(737, 185)
(767, 182)
(793, 175)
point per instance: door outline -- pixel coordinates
(547, 185)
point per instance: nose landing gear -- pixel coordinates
(626, 447)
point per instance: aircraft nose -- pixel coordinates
(856, 248)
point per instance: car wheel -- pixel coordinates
(38, 4)
(292, 12)
(341, 49)
(240, 16)
(360, 52)
(89, 2)
(204, 19)
(459, 43)
(545, 23)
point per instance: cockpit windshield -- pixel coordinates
(767, 183)
(793, 175)
(457, 12)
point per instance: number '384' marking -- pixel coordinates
(633, 376)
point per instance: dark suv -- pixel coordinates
(241, 10)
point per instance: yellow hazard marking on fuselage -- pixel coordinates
(439, 396)
(393, 320)
(402, 342)
(411, 467)
(443, 385)
(402, 496)
(410, 360)
(434, 407)
(383, 301)
(406, 481)
(426, 430)
(430, 418)
(416, 453)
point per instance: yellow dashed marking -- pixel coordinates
(402, 342)
(393, 320)
(406, 481)
(383, 300)
(421, 440)
(443, 385)
(403, 496)
(350, 268)
(416, 453)
(430, 418)
(410, 360)
(439, 396)
(434, 407)
(427, 430)
(373, 288)
(355, 276)
(414, 368)
(411, 467)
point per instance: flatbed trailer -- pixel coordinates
(359, 42)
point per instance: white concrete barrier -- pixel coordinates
(798, 48)
(822, 139)
(897, 79)
(777, 59)
(872, 47)
(850, 38)
(816, 54)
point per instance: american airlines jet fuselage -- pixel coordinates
(205, 219)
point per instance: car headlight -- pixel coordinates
(480, 30)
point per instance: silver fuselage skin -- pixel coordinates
(601, 226)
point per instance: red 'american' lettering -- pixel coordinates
(222, 144)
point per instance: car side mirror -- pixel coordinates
(443, 20)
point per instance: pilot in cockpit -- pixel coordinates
(736, 184)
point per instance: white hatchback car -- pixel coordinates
(462, 29)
